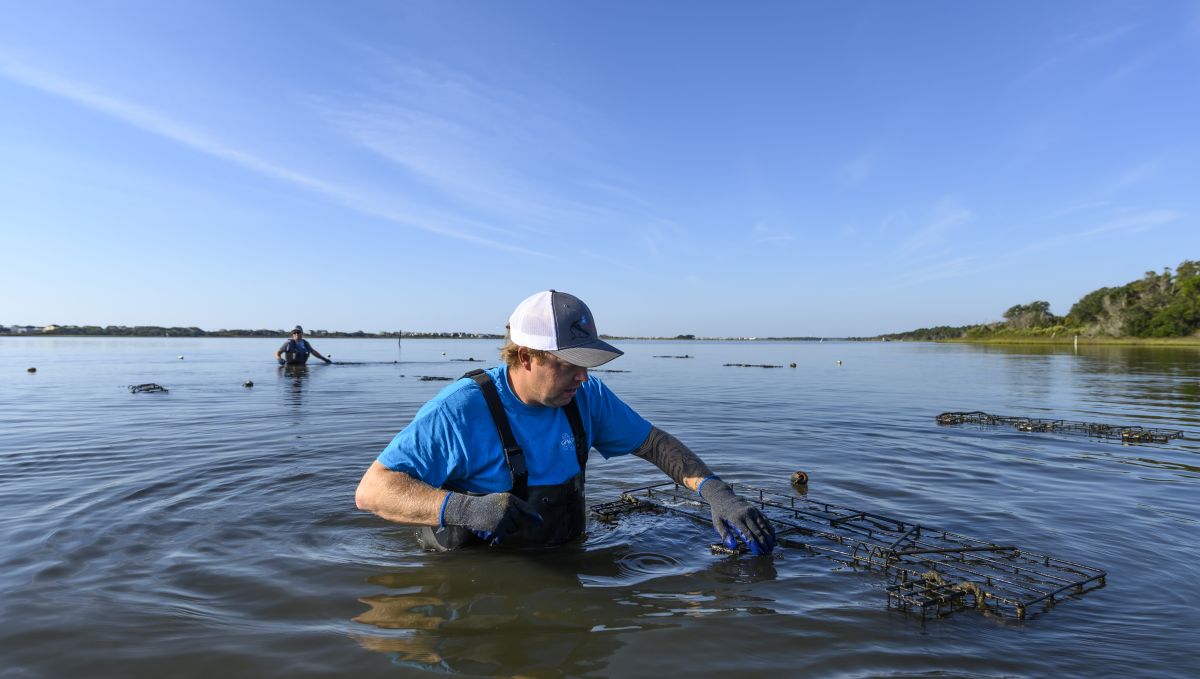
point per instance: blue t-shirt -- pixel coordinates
(452, 441)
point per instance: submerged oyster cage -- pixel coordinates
(935, 572)
(1093, 429)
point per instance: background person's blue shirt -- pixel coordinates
(452, 441)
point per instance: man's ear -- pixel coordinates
(525, 359)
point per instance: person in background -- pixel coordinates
(499, 455)
(296, 350)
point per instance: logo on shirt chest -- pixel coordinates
(568, 441)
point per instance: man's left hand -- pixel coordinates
(735, 518)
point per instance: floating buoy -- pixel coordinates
(247, 383)
(31, 370)
(791, 365)
(839, 362)
(799, 478)
(181, 358)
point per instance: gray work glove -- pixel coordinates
(735, 518)
(492, 517)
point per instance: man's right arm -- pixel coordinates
(398, 497)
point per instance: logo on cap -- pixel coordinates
(578, 331)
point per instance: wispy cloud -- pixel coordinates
(504, 151)
(855, 171)
(1133, 223)
(1146, 57)
(945, 217)
(766, 233)
(941, 269)
(160, 124)
(1105, 194)
(1124, 222)
(1079, 44)
(1078, 208)
(1131, 176)
(661, 235)
(1084, 41)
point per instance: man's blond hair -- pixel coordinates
(510, 354)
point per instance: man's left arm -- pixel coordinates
(733, 517)
(316, 353)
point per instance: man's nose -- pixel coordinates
(581, 375)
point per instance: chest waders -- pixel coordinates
(295, 353)
(562, 505)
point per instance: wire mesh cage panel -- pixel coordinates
(1093, 429)
(934, 571)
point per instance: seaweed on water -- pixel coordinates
(1125, 434)
(149, 387)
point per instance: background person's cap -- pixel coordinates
(297, 329)
(562, 325)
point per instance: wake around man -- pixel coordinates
(499, 455)
(296, 350)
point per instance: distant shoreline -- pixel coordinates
(1091, 341)
(422, 336)
(195, 333)
(192, 331)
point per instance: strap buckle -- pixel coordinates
(516, 460)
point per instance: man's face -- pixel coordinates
(296, 335)
(553, 382)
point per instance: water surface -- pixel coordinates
(211, 530)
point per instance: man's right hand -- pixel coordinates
(493, 517)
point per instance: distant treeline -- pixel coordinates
(175, 331)
(1163, 304)
(192, 331)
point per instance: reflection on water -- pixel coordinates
(458, 615)
(492, 611)
(295, 376)
(213, 531)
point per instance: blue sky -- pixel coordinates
(721, 169)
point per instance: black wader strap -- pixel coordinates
(512, 452)
(581, 447)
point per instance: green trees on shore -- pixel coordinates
(1158, 305)
(1163, 304)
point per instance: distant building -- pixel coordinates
(50, 328)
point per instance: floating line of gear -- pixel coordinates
(935, 572)
(1093, 429)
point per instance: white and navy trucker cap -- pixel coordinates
(561, 324)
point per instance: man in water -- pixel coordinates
(499, 456)
(296, 350)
